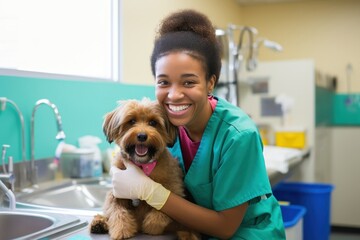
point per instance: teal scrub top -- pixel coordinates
(229, 170)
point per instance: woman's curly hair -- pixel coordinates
(191, 32)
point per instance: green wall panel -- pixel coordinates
(323, 106)
(81, 104)
(346, 109)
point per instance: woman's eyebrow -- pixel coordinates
(161, 75)
(185, 75)
(189, 75)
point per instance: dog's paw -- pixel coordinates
(99, 225)
(155, 222)
(122, 225)
(122, 233)
(185, 235)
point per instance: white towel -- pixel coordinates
(278, 158)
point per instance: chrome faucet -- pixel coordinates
(7, 174)
(59, 136)
(3, 101)
(236, 58)
(251, 58)
(9, 177)
(9, 194)
(21, 173)
(237, 51)
(266, 43)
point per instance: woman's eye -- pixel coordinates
(189, 83)
(152, 123)
(162, 82)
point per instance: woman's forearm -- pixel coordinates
(221, 224)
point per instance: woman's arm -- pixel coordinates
(221, 224)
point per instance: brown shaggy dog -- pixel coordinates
(142, 131)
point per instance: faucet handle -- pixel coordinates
(4, 147)
(10, 164)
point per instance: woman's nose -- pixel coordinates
(175, 93)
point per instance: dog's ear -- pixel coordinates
(108, 127)
(113, 120)
(172, 131)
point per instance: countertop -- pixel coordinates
(274, 176)
(84, 234)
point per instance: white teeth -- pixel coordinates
(178, 108)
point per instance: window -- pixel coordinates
(67, 37)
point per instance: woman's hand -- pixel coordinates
(132, 183)
(128, 184)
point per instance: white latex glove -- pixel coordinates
(132, 183)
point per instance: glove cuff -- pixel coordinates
(158, 197)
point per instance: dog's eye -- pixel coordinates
(152, 123)
(132, 121)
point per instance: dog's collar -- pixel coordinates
(147, 167)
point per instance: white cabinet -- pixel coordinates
(335, 151)
(296, 79)
(345, 175)
(323, 166)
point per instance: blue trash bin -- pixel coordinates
(316, 198)
(293, 218)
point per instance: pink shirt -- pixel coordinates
(188, 147)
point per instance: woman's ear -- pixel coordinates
(211, 84)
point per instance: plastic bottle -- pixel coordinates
(92, 142)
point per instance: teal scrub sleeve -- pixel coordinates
(241, 175)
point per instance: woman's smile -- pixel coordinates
(179, 113)
(178, 108)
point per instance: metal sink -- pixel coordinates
(82, 194)
(26, 224)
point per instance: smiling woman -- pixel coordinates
(76, 38)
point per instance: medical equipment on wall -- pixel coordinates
(352, 101)
(235, 53)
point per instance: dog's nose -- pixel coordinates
(142, 137)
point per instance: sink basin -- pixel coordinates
(82, 194)
(27, 224)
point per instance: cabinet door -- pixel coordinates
(323, 154)
(345, 176)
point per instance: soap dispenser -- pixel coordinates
(92, 142)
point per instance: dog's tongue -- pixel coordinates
(141, 149)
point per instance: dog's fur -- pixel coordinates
(132, 123)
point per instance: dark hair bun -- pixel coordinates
(188, 20)
(191, 31)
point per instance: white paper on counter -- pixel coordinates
(278, 158)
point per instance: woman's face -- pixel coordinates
(182, 89)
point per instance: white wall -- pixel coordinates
(295, 78)
(326, 31)
(141, 18)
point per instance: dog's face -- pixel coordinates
(140, 128)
